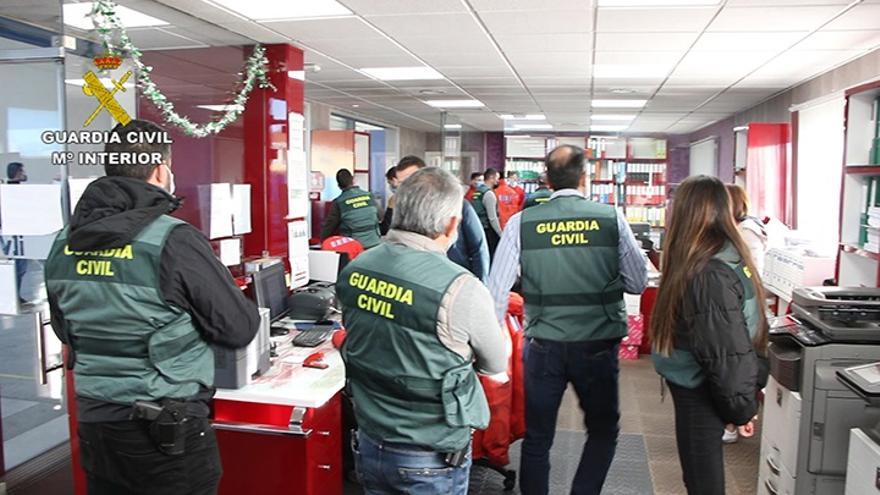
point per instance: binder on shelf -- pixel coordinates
(875, 148)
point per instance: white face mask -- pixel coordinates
(171, 185)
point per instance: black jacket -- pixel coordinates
(112, 212)
(712, 327)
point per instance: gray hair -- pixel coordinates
(426, 201)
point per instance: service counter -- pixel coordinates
(282, 434)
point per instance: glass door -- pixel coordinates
(33, 416)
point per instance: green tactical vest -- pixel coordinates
(128, 343)
(538, 197)
(571, 271)
(406, 385)
(359, 217)
(681, 367)
(479, 207)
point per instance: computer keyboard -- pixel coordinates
(312, 338)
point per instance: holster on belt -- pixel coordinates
(167, 424)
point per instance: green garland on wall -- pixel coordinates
(107, 23)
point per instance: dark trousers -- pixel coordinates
(698, 431)
(492, 240)
(593, 369)
(120, 458)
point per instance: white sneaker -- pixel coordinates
(730, 436)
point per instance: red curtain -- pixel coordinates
(767, 170)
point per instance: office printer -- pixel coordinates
(863, 461)
(808, 412)
(235, 368)
(313, 302)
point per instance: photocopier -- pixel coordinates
(808, 412)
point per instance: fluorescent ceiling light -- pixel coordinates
(106, 81)
(221, 108)
(529, 116)
(402, 73)
(618, 103)
(454, 103)
(518, 127)
(452, 126)
(612, 117)
(266, 10)
(297, 74)
(77, 15)
(633, 71)
(608, 127)
(656, 3)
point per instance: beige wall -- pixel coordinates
(412, 142)
(863, 69)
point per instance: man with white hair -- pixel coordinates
(417, 327)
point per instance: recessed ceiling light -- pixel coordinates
(452, 126)
(266, 10)
(622, 91)
(612, 117)
(454, 103)
(518, 127)
(77, 15)
(618, 103)
(222, 108)
(106, 81)
(431, 92)
(633, 71)
(355, 106)
(656, 3)
(529, 116)
(402, 73)
(607, 127)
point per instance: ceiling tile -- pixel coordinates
(670, 20)
(804, 63)
(338, 28)
(653, 59)
(772, 18)
(402, 27)
(538, 22)
(841, 40)
(498, 69)
(396, 7)
(720, 65)
(545, 42)
(157, 39)
(744, 41)
(644, 42)
(551, 64)
(521, 5)
(864, 16)
(447, 44)
(774, 3)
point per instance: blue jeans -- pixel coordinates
(592, 368)
(391, 468)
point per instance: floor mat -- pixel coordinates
(629, 474)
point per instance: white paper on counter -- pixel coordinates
(230, 251)
(8, 291)
(77, 187)
(30, 209)
(298, 246)
(241, 214)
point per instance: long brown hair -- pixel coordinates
(702, 223)
(739, 202)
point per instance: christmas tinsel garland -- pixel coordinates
(106, 22)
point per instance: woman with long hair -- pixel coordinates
(708, 329)
(751, 228)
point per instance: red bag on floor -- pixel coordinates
(517, 339)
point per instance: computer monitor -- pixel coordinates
(270, 290)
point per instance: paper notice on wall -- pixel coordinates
(230, 251)
(220, 209)
(297, 169)
(8, 290)
(241, 214)
(30, 209)
(76, 188)
(298, 245)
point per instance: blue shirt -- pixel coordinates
(506, 267)
(471, 249)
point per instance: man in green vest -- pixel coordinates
(417, 326)
(485, 203)
(541, 194)
(138, 296)
(355, 213)
(576, 258)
